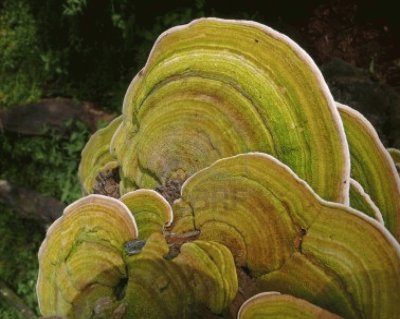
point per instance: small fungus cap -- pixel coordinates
(82, 252)
(279, 306)
(96, 156)
(151, 211)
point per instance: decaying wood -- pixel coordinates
(34, 118)
(30, 204)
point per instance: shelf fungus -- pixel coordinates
(395, 155)
(81, 261)
(200, 280)
(98, 166)
(92, 265)
(278, 306)
(239, 177)
(216, 88)
(151, 211)
(372, 167)
(291, 240)
(361, 201)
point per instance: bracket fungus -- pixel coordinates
(361, 201)
(81, 258)
(395, 155)
(372, 167)
(234, 166)
(151, 211)
(201, 278)
(278, 306)
(84, 270)
(216, 88)
(96, 158)
(284, 238)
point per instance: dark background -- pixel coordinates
(65, 66)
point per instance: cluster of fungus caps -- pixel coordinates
(242, 190)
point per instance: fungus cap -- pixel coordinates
(215, 88)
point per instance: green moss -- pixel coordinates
(49, 162)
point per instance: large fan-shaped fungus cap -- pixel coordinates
(372, 167)
(81, 259)
(201, 277)
(96, 157)
(216, 88)
(152, 212)
(290, 239)
(277, 306)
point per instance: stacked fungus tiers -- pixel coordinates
(216, 88)
(81, 261)
(86, 273)
(293, 241)
(233, 163)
